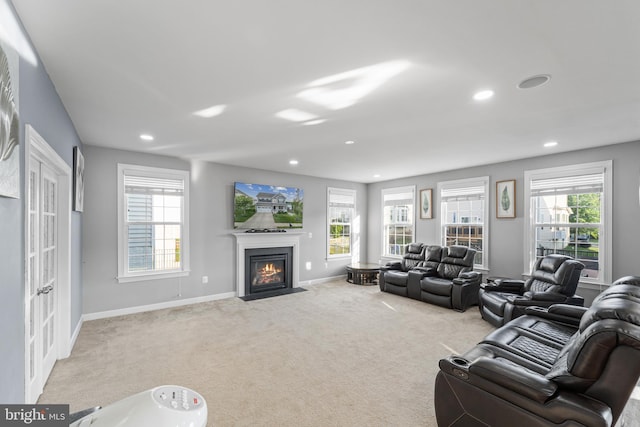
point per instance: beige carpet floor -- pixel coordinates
(336, 355)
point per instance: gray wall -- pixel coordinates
(212, 246)
(506, 241)
(40, 107)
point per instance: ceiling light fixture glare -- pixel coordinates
(483, 95)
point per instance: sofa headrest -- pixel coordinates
(414, 248)
(558, 270)
(457, 251)
(460, 256)
(433, 253)
(551, 263)
(621, 301)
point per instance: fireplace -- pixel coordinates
(249, 241)
(268, 270)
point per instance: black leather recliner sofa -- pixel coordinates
(444, 276)
(449, 282)
(394, 276)
(563, 365)
(554, 280)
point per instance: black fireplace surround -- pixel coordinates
(268, 271)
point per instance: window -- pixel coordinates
(463, 216)
(398, 219)
(569, 211)
(341, 211)
(153, 231)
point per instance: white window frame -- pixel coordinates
(411, 216)
(126, 169)
(464, 183)
(344, 192)
(605, 245)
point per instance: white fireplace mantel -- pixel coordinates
(266, 240)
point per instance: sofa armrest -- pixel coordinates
(427, 271)
(543, 299)
(562, 313)
(546, 297)
(470, 275)
(505, 285)
(514, 377)
(393, 265)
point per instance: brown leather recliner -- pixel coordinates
(394, 276)
(562, 365)
(554, 280)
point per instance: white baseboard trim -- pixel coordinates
(158, 306)
(75, 334)
(322, 280)
(180, 302)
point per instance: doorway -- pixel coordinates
(47, 256)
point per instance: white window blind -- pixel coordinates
(590, 183)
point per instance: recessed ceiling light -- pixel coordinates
(349, 142)
(146, 137)
(551, 144)
(293, 162)
(483, 95)
(377, 175)
(534, 81)
(207, 113)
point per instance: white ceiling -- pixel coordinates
(144, 66)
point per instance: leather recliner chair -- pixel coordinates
(451, 282)
(562, 365)
(394, 276)
(553, 281)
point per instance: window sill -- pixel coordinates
(152, 276)
(338, 257)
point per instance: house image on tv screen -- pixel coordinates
(260, 207)
(271, 202)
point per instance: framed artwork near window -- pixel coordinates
(506, 199)
(78, 180)
(426, 203)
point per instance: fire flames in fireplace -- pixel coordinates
(268, 272)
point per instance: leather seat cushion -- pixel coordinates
(436, 286)
(526, 344)
(545, 328)
(398, 278)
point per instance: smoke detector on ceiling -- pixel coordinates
(534, 81)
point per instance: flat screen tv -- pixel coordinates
(266, 207)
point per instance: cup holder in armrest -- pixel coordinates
(459, 361)
(459, 367)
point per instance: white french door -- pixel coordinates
(42, 276)
(47, 259)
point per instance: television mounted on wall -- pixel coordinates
(267, 207)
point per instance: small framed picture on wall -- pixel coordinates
(426, 205)
(78, 180)
(506, 199)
